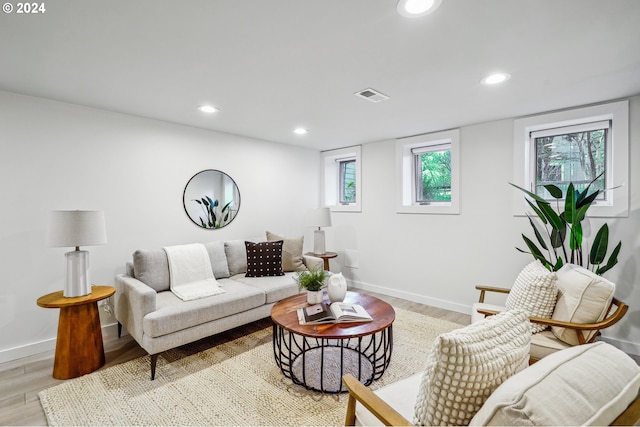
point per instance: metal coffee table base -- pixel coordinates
(319, 363)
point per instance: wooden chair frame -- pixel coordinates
(390, 417)
(612, 318)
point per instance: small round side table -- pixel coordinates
(79, 347)
(326, 257)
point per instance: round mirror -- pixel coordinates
(211, 199)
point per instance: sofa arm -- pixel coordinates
(313, 261)
(134, 300)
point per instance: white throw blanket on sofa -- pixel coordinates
(190, 273)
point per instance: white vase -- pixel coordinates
(337, 287)
(314, 297)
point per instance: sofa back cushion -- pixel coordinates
(583, 297)
(535, 291)
(583, 385)
(218, 259)
(466, 365)
(292, 259)
(236, 256)
(151, 267)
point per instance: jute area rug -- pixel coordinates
(233, 383)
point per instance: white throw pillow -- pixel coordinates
(582, 385)
(583, 297)
(466, 365)
(535, 291)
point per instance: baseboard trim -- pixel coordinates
(109, 332)
(410, 296)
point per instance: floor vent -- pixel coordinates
(371, 95)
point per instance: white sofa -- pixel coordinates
(159, 321)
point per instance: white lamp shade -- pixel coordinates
(320, 217)
(77, 228)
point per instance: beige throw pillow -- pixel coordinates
(291, 251)
(534, 290)
(466, 365)
(583, 297)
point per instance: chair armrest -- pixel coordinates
(378, 407)
(313, 261)
(484, 289)
(133, 301)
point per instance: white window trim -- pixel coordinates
(617, 168)
(331, 178)
(404, 173)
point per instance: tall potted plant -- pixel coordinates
(562, 237)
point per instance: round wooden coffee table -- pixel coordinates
(317, 356)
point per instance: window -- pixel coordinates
(576, 146)
(341, 179)
(347, 181)
(428, 173)
(575, 154)
(432, 169)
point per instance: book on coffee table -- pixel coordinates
(338, 312)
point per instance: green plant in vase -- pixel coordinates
(312, 279)
(562, 237)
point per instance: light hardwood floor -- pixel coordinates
(21, 380)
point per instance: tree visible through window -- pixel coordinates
(347, 181)
(565, 157)
(433, 173)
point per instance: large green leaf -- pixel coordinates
(575, 236)
(538, 235)
(537, 211)
(559, 264)
(551, 215)
(599, 247)
(613, 260)
(557, 237)
(570, 205)
(537, 254)
(587, 200)
(555, 192)
(532, 195)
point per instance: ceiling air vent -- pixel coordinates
(371, 95)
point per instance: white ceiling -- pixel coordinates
(272, 65)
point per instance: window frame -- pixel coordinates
(342, 167)
(331, 178)
(616, 203)
(406, 173)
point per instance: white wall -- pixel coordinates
(60, 156)
(438, 259)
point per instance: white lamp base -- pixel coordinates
(318, 242)
(77, 283)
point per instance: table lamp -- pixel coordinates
(320, 217)
(75, 229)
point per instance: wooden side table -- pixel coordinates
(326, 257)
(79, 347)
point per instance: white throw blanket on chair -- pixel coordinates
(190, 273)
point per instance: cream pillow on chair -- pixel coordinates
(583, 297)
(534, 290)
(466, 365)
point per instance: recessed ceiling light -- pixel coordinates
(495, 78)
(417, 8)
(300, 131)
(208, 109)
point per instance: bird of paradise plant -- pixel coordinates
(211, 218)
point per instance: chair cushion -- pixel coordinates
(582, 385)
(466, 365)
(151, 267)
(583, 297)
(400, 395)
(534, 290)
(292, 259)
(264, 259)
(544, 343)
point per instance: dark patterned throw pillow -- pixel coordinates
(264, 259)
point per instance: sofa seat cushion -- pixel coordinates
(275, 287)
(400, 395)
(589, 384)
(173, 314)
